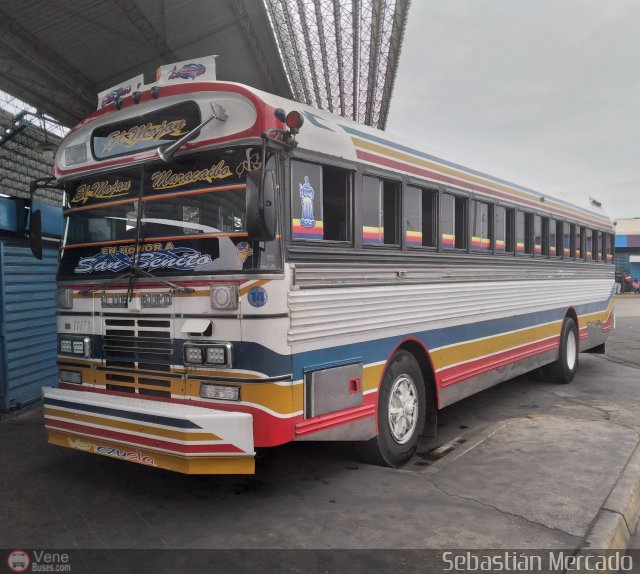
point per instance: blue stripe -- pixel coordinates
(247, 356)
(156, 419)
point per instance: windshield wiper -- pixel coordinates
(166, 151)
(108, 281)
(111, 280)
(166, 282)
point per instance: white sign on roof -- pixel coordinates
(203, 69)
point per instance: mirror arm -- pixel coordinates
(166, 152)
(264, 167)
(43, 183)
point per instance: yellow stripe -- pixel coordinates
(372, 375)
(475, 349)
(132, 427)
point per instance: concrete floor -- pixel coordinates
(526, 464)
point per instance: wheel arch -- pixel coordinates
(422, 356)
(571, 312)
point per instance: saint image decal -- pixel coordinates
(306, 199)
(306, 208)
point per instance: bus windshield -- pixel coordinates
(184, 216)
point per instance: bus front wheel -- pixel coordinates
(565, 367)
(401, 412)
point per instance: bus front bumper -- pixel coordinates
(178, 437)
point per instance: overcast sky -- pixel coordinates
(545, 93)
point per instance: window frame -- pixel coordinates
(464, 226)
(399, 206)
(435, 219)
(350, 203)
(490, 226)
(527, 233)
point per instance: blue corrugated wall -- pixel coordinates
(27, 324)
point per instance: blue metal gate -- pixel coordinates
(28, 343)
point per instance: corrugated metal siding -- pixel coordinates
(27, 324)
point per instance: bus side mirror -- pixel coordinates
(35, 233)
(261, 205)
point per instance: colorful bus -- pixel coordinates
(239, 271)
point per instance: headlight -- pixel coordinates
(227, 393)
(78, 346)
(219, 354)
(193, 355)
(224, 297)
(216, 355)
(65, 299)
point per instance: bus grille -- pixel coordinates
(143, 344)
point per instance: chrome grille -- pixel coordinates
(137, 344)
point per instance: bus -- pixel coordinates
(239, 271)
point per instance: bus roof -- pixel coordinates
(334, 136)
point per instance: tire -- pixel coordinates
(401, 413)
(565, 367)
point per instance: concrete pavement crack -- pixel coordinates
(624, 519)
(582, 403)
(505, 512)
(619, 362)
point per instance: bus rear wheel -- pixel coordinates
(401, 413)
(564, 369)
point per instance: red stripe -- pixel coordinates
(142, 441)
(458, 373)
(335, 419)
(373, 158)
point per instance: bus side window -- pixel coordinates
(524, 232)
(306, 201)
(590, 246)
(540, 230)
(559, 238)
(553, 238)
(420, 216)
(320, 202)
(579, 243)
(503, 229)
(568, 240)
(480, 226)
(336, 204)
(602, 255)
(453, 222)
(380, 212)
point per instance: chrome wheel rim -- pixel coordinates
(572, 351)
(403, 409)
